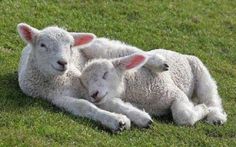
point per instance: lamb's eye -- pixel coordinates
(71, 46)
(105, 75)
(42, 45)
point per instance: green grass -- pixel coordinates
(205, 28)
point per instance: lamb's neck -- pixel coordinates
(79, 60)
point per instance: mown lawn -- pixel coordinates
(205, 28)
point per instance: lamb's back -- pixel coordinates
(148, 91)
(152, 91)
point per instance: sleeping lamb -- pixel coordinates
(187, 89)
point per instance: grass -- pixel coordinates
(205, 28)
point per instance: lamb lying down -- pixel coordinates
(111, 82)
(137, 116)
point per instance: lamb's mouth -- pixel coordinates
(57, 69)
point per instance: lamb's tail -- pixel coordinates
(206, 91)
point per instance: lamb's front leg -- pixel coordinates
(137, 116)
(83, 108)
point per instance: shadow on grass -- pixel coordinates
(10, 94)
(165, 119)
(12, 99)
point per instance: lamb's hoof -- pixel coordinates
(149, 124)
(157, 63)
(123, 123)
(216, 118)
(218, 122)
(142, 120)
(165, 67)
(120, 128)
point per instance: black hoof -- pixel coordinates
(121, 124)
(218, 122)
(166, 67)
(149, 124)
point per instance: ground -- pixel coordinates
(205, 28)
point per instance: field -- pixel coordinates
(205, 28)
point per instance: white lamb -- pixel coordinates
(50, 67)
(109, 81)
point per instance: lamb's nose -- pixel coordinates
(94, 95)
(62, 63)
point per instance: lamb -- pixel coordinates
(50, 67)
(110, 82)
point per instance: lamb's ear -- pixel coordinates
(27, 33)
(83, 39)
(130, 62)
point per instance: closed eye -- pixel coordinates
(105, 75)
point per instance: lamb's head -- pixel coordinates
(103, 78)
(52, 47)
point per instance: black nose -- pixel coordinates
(62, 63)
(95, 95)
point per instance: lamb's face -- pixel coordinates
(52, 47)
(53, 50)
(102, 80)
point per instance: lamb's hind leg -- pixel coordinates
(156, 62)
(185, 113)
(207, 93)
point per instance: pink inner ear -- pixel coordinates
(135, 61)
(83, 40)
(26, 33)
